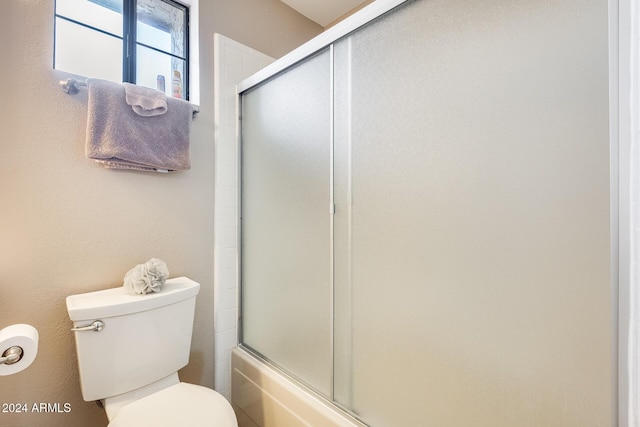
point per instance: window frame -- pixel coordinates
(130, 42)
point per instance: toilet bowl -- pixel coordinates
(179, 405)
(130, 348)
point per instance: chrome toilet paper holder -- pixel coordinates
(11, 355)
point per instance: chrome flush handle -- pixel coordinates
(96, 326)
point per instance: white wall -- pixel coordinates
(629, 155)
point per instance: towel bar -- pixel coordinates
(70, 86)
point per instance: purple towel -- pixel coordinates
(119, 138)
(144, 101)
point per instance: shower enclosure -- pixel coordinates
(425, 216)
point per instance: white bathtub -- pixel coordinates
(261, 396)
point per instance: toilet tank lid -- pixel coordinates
(116, 302)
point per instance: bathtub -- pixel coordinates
(264, 397)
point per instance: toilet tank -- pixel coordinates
(145, 337)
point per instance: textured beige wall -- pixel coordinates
(349, 13)
(68, 226)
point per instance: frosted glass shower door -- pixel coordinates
(471, 229)
(286, 229)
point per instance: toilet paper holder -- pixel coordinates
(18, 348)
(11, 355)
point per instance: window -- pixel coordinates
(145, 42)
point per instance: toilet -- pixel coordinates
(130, 348)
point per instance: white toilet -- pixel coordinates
(130, 348)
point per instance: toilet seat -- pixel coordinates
(181, 404)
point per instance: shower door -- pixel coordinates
(472, 216)
(431, 246)
(286, 228)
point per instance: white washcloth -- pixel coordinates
(119, 138)
(146, 278)
(144, 101)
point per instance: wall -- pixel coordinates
(68, 226)
(629, 155)
(349, 13)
